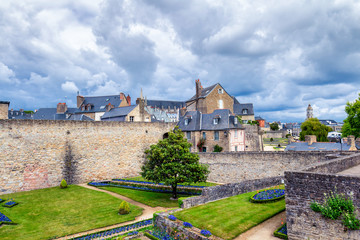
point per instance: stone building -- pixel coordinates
(95, 107)
(163, 110)
(205, 131)
(309, 112)
(4, 107)
(207, 100)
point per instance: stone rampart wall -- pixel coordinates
(38, 154)
(303, 187)
(240, 166)
(232, 189)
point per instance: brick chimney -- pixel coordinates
(61, 108)
(109, 107)
(128, 99)
(79, 100)
(310, 139)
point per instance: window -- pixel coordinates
(220, 90)
(236, 149)
(186, 122)
(188, 135)
(203, 149)
(216, 135)
(236, 133)
(235, 120)
(204, 135)
(244, 111)
(221, 104)
(131, 118)
(215, 121)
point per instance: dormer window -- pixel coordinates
(186, 122)
(216, 119)
(235, 120)
(220, 91)
(244, 111)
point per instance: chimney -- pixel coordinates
(198, 88)
(79, 100)
(122, 96)
(310, 139)
(21, 110)
(351, 142)
(4, 109)
(109, 107)
(182, 111)
(128, 99)
(61, 108)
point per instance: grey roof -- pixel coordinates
(16, 114)
(238, 108)
(118, 112)
(317, 146)
(80, 117)
(328, 122)
(259, 118)
(99, 103)
(50, 114)
(199, 121)
(204, 92)
(165, 104)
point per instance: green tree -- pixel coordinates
(352, 122)
(274, 126)
(313, 126)
(171, 161)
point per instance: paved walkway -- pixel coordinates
(265, 230)
(355, 171)
(147, 213)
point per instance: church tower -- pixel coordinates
(309, 112)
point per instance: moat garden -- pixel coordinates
(53, 213)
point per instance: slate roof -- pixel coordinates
(238, 108)
(199, 121)
(118, 112)
(259, 118)
(317, 146)
(5, 102)
(80, 117)
(99, 103)
(165, 104)
(328, 122)
(16, 114)
(50, 114)
(204, 92)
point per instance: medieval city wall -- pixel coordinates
(39, 153)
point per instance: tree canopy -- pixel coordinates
(170, 161)
(352, 122)
(313, 126)
(274, 126)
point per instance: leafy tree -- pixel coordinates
(171, 161)
(218, 148)
(274, 126)
(313, 126)
(352, 122)
(63, 184)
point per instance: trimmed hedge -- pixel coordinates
(150, 236)
(281, 232)
(10, 204)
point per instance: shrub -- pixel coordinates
(172, 217)
(63, 184)
(217, 148)
(271, 139)
(315, 206)
(124, 208)
(350, 221)
(206, 233)
(187, 225)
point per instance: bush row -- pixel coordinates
(147, 182)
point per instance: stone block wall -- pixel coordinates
(4, 108)
(303, 187)
(38, 154)
(240, 166)
(228, 190)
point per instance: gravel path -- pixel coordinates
(147, 212)
(265, 230)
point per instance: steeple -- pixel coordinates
(309, 112)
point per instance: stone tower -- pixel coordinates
(309, 112)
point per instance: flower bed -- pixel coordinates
(206, 233)
(158, 234)
(161, 189)
(5, 220)
(116, 231)
(269, 195)
(281, 232)
(10, 204)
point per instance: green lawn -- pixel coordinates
(206, 184)
(232, 216)
(152, 199)
(53, 212)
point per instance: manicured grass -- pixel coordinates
(206, 184)
(152, 199)
(232, 216)
(54, 212)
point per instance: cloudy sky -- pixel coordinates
(280, 55)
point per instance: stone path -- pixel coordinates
(265, 230)
(355, 171)
(147, 213)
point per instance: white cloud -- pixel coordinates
(69, 87)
